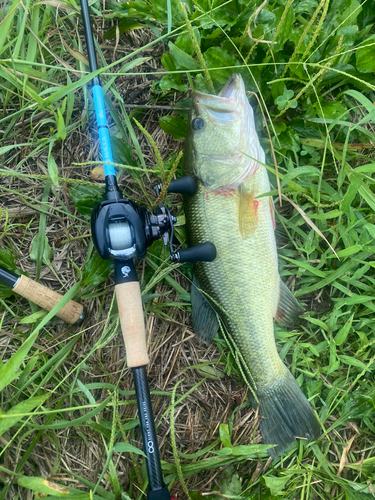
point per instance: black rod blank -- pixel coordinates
(150, 443)
(89, 36)
(8, 277)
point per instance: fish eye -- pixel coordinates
(197, 123)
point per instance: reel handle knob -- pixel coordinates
(205, 252)
(183, 185)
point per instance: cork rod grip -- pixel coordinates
(130, 309)
(47, 299)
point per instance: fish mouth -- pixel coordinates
(233, 87)
(224, 105)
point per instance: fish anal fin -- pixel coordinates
(288, 310)
(205, 322)
(248, 212)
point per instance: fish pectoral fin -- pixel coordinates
(248, 212)
(205, 322)
(288, 310)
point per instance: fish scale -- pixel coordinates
(248, 304)
(242, 285)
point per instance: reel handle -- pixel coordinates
(205, 252)
(183, 185)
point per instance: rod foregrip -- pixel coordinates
(130, 309)
(71, 313)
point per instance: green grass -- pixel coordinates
(67, 402)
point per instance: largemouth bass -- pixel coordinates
(242, 285)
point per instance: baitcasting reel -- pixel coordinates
(122, 230)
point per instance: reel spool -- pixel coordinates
(122, 230)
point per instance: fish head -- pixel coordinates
(222, 146)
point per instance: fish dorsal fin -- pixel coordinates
(248, 212)
(288, 310)
(205, 323)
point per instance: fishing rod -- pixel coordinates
(121, 231)
(72, 313)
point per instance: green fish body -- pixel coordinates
(242, 284)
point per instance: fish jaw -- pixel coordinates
(225, 150)
(222, 109)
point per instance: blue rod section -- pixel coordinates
(101, 120)
(105, 145)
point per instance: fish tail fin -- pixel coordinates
(286, 415)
